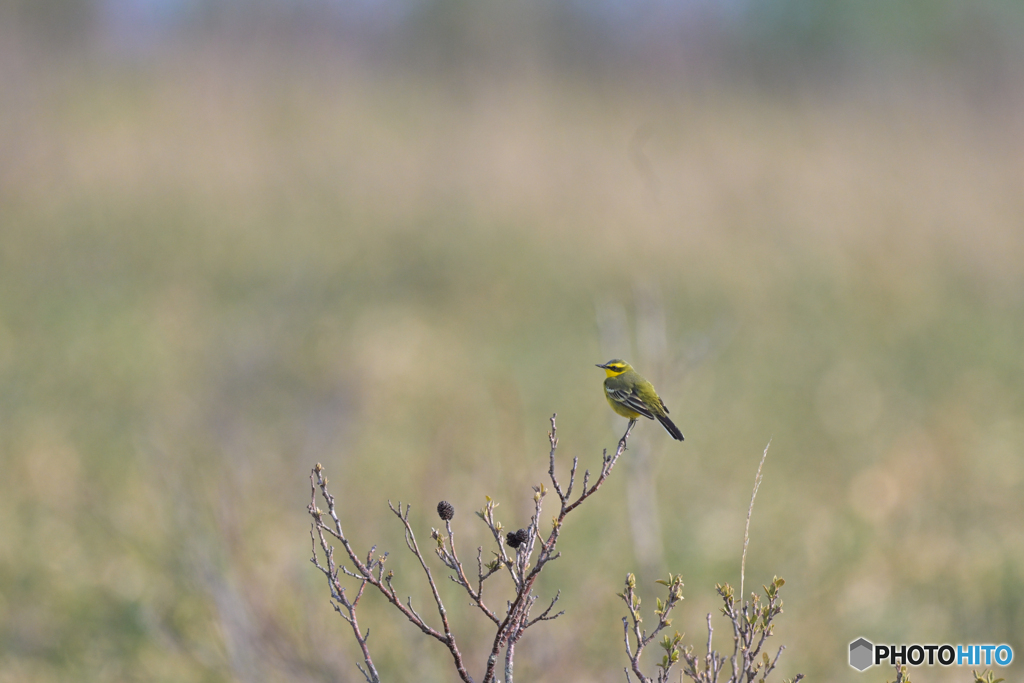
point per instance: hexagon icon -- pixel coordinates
(860, 654)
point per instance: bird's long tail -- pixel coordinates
(670, 427)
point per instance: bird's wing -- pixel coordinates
(631, 401)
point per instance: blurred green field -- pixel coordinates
(216, 273)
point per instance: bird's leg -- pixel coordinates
(629, 428)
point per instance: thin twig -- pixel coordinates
(410, 540)
(518, 610)
(338, 593)
(449, 556)
(365, 570)
(750, 511)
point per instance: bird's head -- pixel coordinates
(615, 367)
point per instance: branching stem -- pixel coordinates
(510, 628)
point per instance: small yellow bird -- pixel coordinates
(630, 395)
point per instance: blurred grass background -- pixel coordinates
(394, 237)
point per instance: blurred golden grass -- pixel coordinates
(216, 273)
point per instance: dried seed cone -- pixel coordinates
(516, 539)
(445, 510)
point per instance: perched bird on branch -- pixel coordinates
(630, 395)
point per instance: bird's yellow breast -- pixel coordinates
(621, 409)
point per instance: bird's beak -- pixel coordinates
(601, 366)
